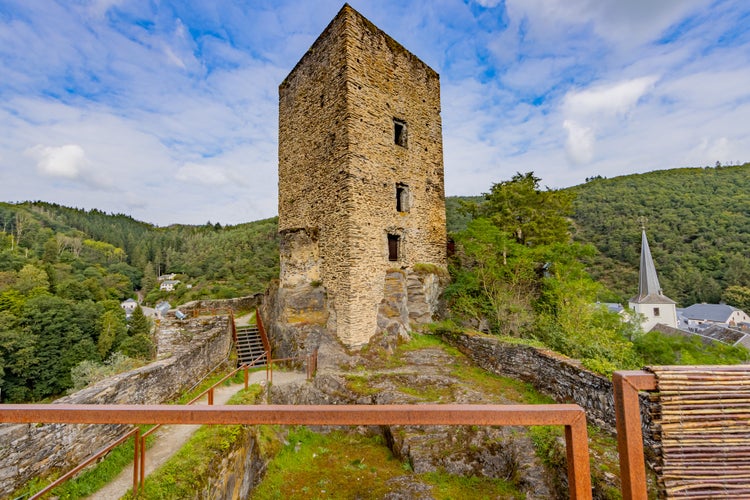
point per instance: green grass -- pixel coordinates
(345, 465)
(185, 472)
(448, 487)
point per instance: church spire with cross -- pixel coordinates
(650, 302)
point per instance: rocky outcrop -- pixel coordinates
(503, 452)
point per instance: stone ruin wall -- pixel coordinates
(562, 378)
(339, 167)
(28, 450)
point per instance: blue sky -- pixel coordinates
(167, 110)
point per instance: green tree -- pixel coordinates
(138, 346)
(529, 214)
(139, 323)
(113, 327)
(30, 278)
(149, 280)
(738, 296)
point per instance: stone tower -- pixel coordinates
(361, 196)
(655, 307)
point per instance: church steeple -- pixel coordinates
(650, 301)
(648, 281)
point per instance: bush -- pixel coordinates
(138, 347)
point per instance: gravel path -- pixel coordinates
(170, 438)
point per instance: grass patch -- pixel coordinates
(448, 486)
(431, 394)
(490, 383)
(336, 465)
(237, 378)
(345, 465)
(361, 384)
(184, 474)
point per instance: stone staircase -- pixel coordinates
(249, 345)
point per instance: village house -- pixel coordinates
(700, 316)
(128, 306)
(168, 285)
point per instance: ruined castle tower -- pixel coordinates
(361, 195)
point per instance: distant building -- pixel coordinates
(170, 276)
(129, 306)
(651, 303)
(700, 316)
(162, 308)
(168, 285)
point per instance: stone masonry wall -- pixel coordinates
(28, 450)
(558, 376)
(340, 169)
(236, 304)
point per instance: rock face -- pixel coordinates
(360, 173)
(425, 375)
(28, 450)
(299, 317)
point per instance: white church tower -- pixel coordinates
(655, 307)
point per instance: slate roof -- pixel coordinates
(718, 313)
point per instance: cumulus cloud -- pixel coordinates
(589, 109)
(618, 98)
(66, 161)
(580, 142)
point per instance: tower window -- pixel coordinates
(399, 132)
(393, 244)
(656, 311)
(402, 197)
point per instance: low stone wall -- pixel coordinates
(558, 376)
(29, 450)
(236, 304)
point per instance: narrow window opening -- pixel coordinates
(402, 198)
(393, 243)
(399, 132)
(656, 311)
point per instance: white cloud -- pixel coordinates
(580, 142)
(202, 174)
(618, 98)
(489, 3)
(66, 161)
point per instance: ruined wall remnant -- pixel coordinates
(360, 171)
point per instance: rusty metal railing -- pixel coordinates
(136, 440)
(263, 335)
(311, 365)
(570, 416)
(141, 476)
(627, 384)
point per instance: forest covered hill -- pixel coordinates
(697, 221)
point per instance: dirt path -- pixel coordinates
(170, 438)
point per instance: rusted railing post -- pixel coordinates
(136, 457)
(142, 476)
(247, 376)
(211, 396)
(629, 431)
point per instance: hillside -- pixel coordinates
(697, 220)
(64, 272)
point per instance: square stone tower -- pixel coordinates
(361, 191)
